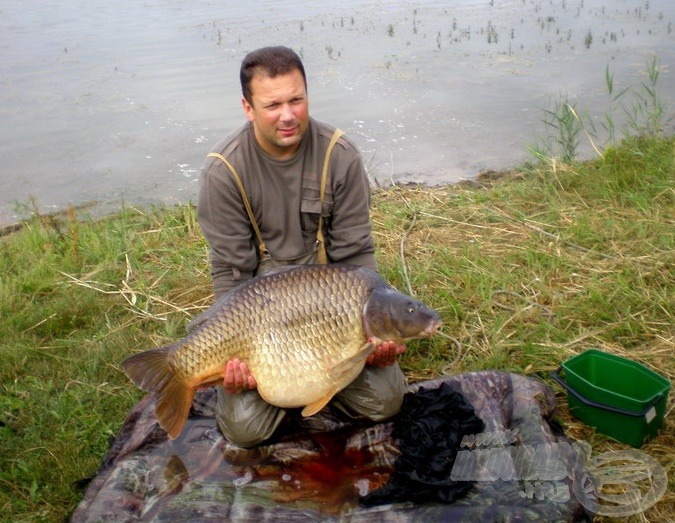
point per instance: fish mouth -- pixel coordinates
(432, 329)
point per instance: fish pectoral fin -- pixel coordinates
(315, 407)
(352, 365)
(348, 365)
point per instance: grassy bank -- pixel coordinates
(526, 269)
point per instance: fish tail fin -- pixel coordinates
(152, 372)
(173, 406)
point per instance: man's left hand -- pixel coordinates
(385, 353)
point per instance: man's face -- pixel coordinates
(279, 112)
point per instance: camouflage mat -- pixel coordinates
(318, 469)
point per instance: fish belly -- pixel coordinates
(303, 380)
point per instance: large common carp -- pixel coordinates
(303, 331)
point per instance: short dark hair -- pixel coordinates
(270, 61)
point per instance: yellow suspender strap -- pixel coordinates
(247, 204)
(322, 257)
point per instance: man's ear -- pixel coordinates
(248, 109)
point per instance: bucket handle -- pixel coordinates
(556, 376)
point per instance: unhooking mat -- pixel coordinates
(330, 468)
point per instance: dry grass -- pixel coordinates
(527, 269)
(515, 274)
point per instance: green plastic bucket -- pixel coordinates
(618, 397)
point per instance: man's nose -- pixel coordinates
(286, 112)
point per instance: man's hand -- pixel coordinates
(238, 377)
(385, 353)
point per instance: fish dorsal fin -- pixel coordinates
(197, 322)
(341, 375)
(217, 306)
(280, 269)
(210, 313)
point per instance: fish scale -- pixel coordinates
(303, 332)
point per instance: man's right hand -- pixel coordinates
(238, 377)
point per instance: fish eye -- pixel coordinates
(411, 309)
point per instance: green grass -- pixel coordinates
(526, 271)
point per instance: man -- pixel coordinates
(264, 201)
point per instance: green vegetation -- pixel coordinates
(640, 110)
(526, 270)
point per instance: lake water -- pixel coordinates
(118, 102)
